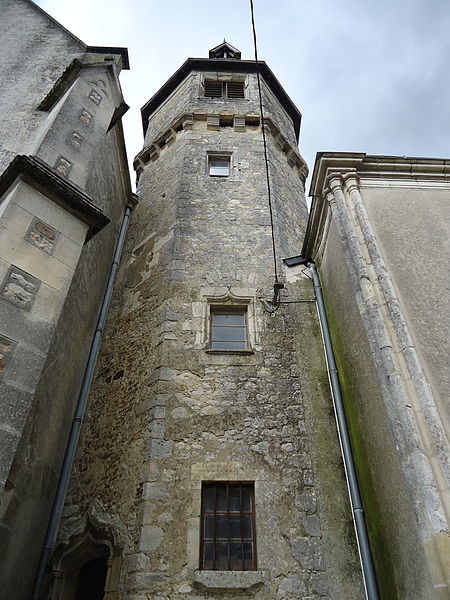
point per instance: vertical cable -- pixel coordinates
(264, 141)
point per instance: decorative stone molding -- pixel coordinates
(97, 519)
(93, 535)
(213, 123)
(239, 123)
(225, 297)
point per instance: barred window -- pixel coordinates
(228, 527)
(224, 89)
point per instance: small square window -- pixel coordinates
(229, 329)
(219, 166)
(228, 527)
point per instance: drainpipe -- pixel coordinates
(69, 456)
(362, 538)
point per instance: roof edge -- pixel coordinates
(45, 14)
(365, 167)
(223, 64)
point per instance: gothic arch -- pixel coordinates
(94, 536)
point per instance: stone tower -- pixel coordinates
(209, 461)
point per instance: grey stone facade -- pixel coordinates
(168, 412)
(378, 232)
(63, 188)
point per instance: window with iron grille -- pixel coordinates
(228, 527)
(229, 328)
(224, 89)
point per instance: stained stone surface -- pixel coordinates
(179, 414)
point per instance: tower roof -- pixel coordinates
(223, 65)
(225, 50)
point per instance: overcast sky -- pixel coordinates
(367, 76)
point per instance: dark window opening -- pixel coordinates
(229, 329)
(226, 121)
(228, 527)
(224, 89)
(251, 121)
(91, 580)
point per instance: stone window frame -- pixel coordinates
(232, 299)
(241, 514)
(86, 547)
(226, 580)
(224, 79)
(224, 155)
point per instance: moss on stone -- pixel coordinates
(372, 509)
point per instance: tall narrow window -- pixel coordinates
(228, 329)
(228, 527)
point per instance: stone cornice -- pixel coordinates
(334, 170)
(222, 65)
(50, 183)
(186, 121)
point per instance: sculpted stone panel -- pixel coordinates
(42, 236)
(20, 288)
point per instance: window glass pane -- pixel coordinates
(208, 499)
(226, 527)
(228, 334)
(235, 501)
(248, 555)
(228, 345)
(221, 502)
(208, 555)
(247, 526)
(222, 527)
(228, 319)
(208, 525)
(219, 166)
(222, 556)
(236, 556)
(235, 527)
(247, 499)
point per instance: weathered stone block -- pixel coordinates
(151, 538)
(308, 552)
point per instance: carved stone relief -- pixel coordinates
(41, 235)
(20, 288)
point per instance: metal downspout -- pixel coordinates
(58, 504)
(365, 553)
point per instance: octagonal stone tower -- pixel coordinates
(210, 462)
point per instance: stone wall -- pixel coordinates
(378, 235)
(35, 52)
(168, 413)
(63, 188)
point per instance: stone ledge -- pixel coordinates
(228, 580)
(225, 351)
